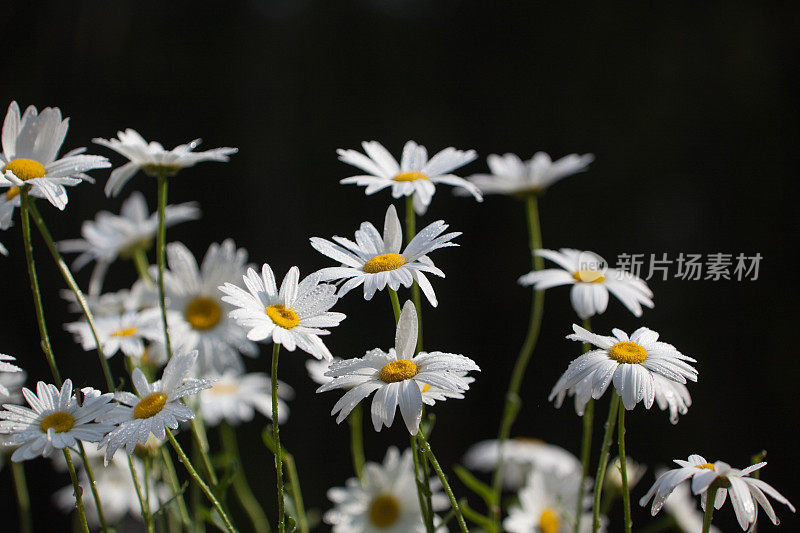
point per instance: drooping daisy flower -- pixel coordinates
(511, 175)
(398, 377)
(154, 407)
(415, 175)
(153, 159)
(384, 502)
(126, 333)
(746, 493)
(547, 504)
(522, 455)
(630, 362)
(192, 292)
(30, 151)
(591, 282)
(110, 236)
(377, 261)
(316, 369)
(291, 317)
(684, 509)
(55, 420)
(235, 398)
(6, 367)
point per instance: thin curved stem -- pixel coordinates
(23, 498)
(142, 264)
(423, 506)
(512, 404)
(297, 494)
(172, 479)
(623, 468)
(603, 464)
(87, 467)
(355, 420)
(239, 482)
(395, 304)
(78, 491)
(146, 516)
(199, 481)
(276, 437)
(161, 257)
(439, 472)
(586, 441)
(711, 496)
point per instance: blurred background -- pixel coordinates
(692, 113)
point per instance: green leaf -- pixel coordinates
(474, 484)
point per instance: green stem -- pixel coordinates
(161, 255)
(37, 296)
(70, 279)
(439, 472)
(172, 479)
(355, 420)
(423, 507)
(23, 498)
(147, 463)
(513, 404)
(199, 481)
(757, 458)
(395, 304)
(297, 494)
(411, 231)
(146, 516)
(601, 467)
(78, 491)
(427, 481)
(276, 436)
(142, 264)
(711, 496)
(240, 486)
(623, 468)
(87, 467)
(586, 441)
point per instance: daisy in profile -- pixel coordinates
(192, 293)
(292, 316)
(7, 368)
(317, 368)
(384, 502)
(629, 362)
(397, 377)
(547, 504)
(30, 156)
(521, 456)
(109, 236)
(683, 508)
(747, 493)
(512, 176)
(153, 159)
(591, 282)
(415, 175)
(235, 398)
(377, 262)
(55, 420)
(126, 333)
(155, 406)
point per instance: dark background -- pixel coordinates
(691, 112)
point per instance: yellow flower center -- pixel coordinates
(382, 263)
(410, 176)
(150, 405)
(124, 332)
(706, 466)
(203, 313)
(589, 276)
(384, 511)
(155, 170)
(549, 522)
(628, 352)
(12, 193)
(399, 370)
(25, 169)
(283, 316)
(59, 421)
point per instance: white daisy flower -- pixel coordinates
(139, 297)
(683, 508)
(126, 333)
(377, 261)
(613, 477)
(521, 456)
(384, 502)
(630, 362)
(415, 175)
(6, 367)
(511, 175)
(109, 236)
(192, 292)
(235, 398)
(431, 395)
(153, 159)
(55, 420)
(154, 407)
(30, 156)
(316, 369)
(547, 504)
(398, 377)
(591, 282)
(291, 317)
(746, 493)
